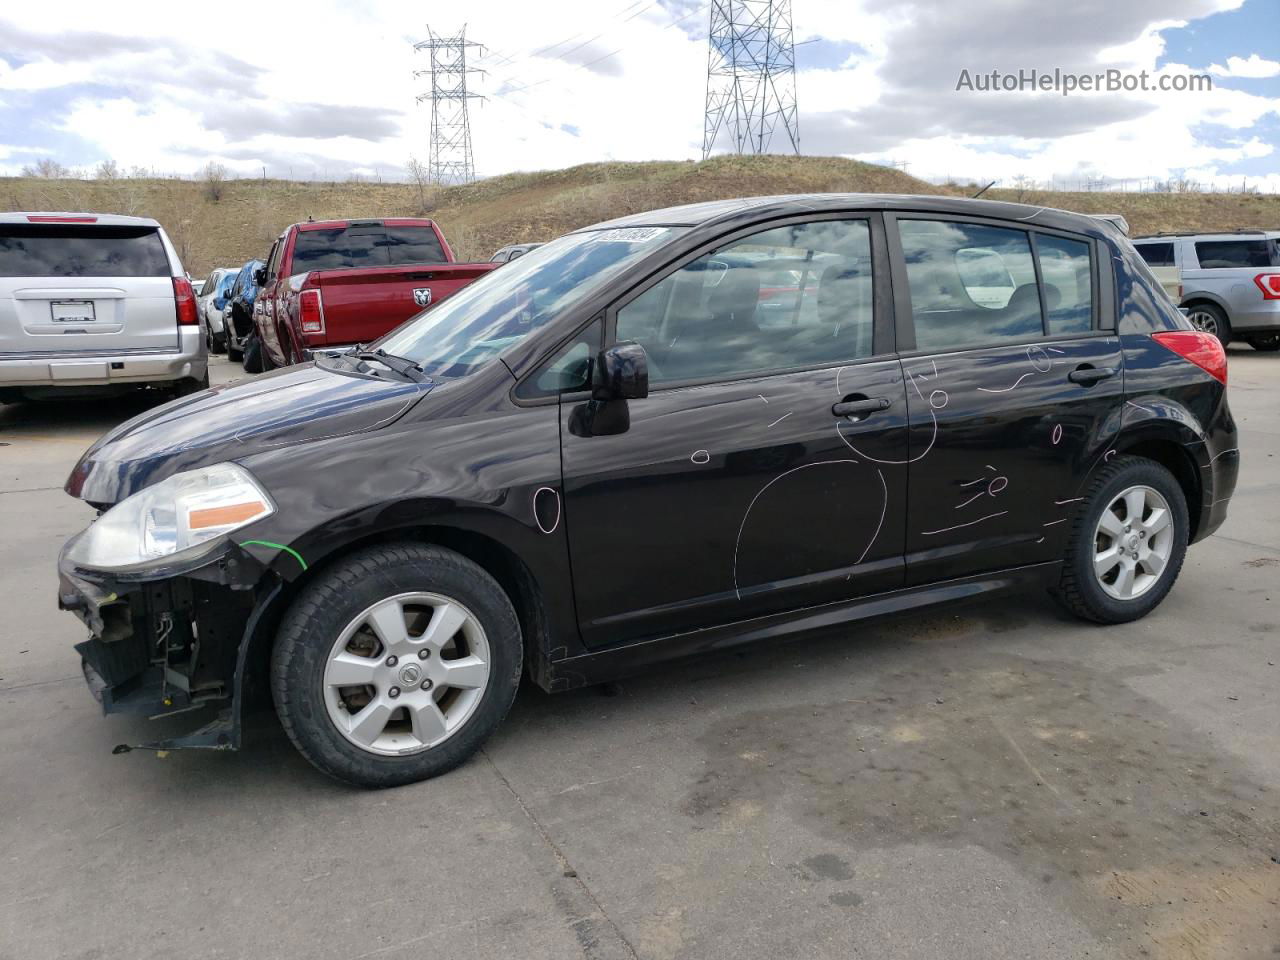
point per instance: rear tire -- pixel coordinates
(431, 647)
(1266, 343)
(1211, 319)
(1101, 579)
(218, 342)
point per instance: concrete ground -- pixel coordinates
(997, 781)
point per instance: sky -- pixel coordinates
(326, 89)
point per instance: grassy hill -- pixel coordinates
(480, 217)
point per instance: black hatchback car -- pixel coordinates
(660, 435)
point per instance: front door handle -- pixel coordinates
(854, 408)
(1087, 376)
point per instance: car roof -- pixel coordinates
(708, 212)
(1228, 235)
(365, 221)
(82, 218)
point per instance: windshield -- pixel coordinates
(500, 309)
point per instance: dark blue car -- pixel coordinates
(237, 313)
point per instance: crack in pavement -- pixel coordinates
(585, 939)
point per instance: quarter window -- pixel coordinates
(794, 296)
(568, 370)
(969, 284)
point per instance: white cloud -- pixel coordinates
(333, 91)
(1252, 66)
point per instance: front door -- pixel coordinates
(733, 490)
(1013, 388)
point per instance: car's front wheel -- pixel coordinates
(396, 664)
(1126, 545)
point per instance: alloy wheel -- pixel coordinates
(406, 673)
(1133, 542)
(1203, 320)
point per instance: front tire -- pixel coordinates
(251, 358)
(1126, 546)
(396, 664)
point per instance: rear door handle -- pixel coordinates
(1088, 376)
(853, 408)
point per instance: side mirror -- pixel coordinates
(621, 373)
(260, 276)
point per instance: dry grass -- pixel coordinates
(522, 207)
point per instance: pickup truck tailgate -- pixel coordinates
(362, 304)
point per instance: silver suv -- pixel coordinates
(1230, 281)
(94, 300)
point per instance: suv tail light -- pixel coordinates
(185, 299)
(311, 312)
(1269, 284)
(1202, 349)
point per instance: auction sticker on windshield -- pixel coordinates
(630, 235)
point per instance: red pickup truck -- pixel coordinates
(333, 283)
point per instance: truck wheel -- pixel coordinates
(1210, 318)
(396, 664)
(1126, 545)
(1265, 342)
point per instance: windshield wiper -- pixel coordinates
(401, 365)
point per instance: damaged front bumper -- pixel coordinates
(169, 641)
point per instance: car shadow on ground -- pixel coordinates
(268, 763)
(98, 414)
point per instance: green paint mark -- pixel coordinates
(279, 546)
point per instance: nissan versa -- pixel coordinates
(660, 435)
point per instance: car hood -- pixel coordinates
(234, 421)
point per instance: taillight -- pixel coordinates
(1269, 284)
(311, 312)
(1202, 349)
(185, 299)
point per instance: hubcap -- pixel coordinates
(406, 674)
(1132, 543)
(1205, 321)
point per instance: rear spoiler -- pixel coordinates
(1115, 220)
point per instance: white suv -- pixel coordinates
(1230, 281)
(94, 300)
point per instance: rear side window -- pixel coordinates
(1067, 273)
(66, 250)
(969, 284)
(364, 245)
(1156, 254)
(1237, 253)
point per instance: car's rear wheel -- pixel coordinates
(1265, 342)
(1126, 545)
(1210, 318)
(396, 664)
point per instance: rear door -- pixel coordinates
(733, 490)
(1014, 386)
(84, 289)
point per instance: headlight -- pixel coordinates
(173, 517)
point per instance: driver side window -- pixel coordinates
(793, 296)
